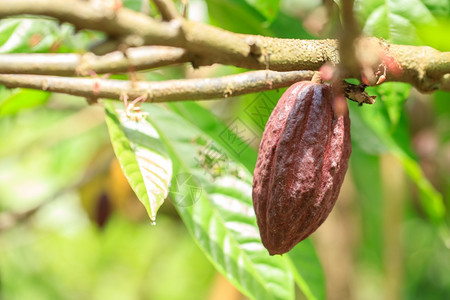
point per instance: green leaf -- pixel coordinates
(20, 99)
(7, 28)
(394, 20)
(251, 13)
(212, 194)
(142, 156)
(432, 34)
(393, 97)
(307, 270)
(29, 35)
(432, 200)
(26, 35)
(217, 130)
(366, 175)
(286, 26)
(439, 8)
(255, 109)
(136, 5)
(249, 18)
(268, 8)
(390, 131)
(362, 136)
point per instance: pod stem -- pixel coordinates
(316, 78)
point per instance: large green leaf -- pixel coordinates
(213, 196)
(306, 266)
(142, 156)
(206, 121)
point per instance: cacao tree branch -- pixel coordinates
(176, 90)
(163, 91)
(122, 22)
(140, 58)
(423, 67)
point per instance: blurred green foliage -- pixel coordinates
(62, 256)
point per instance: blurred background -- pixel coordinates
(72, 228)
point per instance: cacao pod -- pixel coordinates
(301, 164)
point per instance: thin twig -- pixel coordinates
(177, 90)
(167, 9)
(164, 91)
(140, 58)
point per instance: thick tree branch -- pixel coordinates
(421, 66)
(141, 58)
(85, 15)
(164, 91)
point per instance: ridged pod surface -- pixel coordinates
(301, 165)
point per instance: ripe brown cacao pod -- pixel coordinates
(301, 164)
